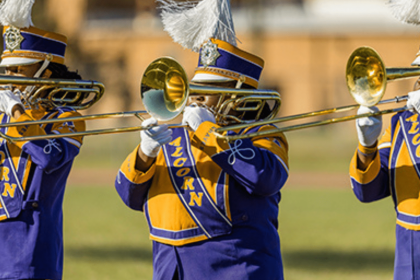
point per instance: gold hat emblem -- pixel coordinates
(13, 38)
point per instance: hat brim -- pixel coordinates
(17, 61)
(209, 78)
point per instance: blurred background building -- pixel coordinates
(305, 44)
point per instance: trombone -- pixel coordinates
(164, 92)
(78, 94)
(367, 79)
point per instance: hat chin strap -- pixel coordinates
(29, 89)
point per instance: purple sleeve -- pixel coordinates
(259, 170)
(51, 154)
(378, 187)
(132, 194)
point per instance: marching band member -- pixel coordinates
(390, 166)
(211, 206)
(33, 173)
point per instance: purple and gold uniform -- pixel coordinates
(395, 172)
(34, 175)
(212, 207)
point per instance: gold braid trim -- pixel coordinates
(27, 55)
(40, 56)
(231, 74)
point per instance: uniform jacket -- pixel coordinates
(212, 207)
(34, 175)
(395, 172)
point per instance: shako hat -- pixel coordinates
(407, 11)
(24, 44)
(207, 27)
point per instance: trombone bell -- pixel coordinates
(164, 89)
(366, 76)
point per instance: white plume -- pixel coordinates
(191, 24)
(407, 11)
(16, 13)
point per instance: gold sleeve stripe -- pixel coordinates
(408, 225)
(70, 140)
(180, 242)
(367, 176)
(128, 168)
(284, 164)
(26, 174)
(279, 150)
(227, 205)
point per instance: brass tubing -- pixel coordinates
(310, 124)
(402, 73)
(82, 133)
(72, 119)
(51, 82)
(136, 114)
(203, 90)
(289, 118)
(306, 125)
(86, 86)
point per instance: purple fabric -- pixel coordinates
(407, 254)
(32, 244)
(228, 61)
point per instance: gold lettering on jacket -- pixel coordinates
(188, 183)
(414, 129)
(9, 189)
(4, 175)
(195, 198)
(177, 153)
(4, 171)
(180, 162)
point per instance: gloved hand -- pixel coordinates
(153, 138)
(368, 128)
(413, 101)
(8, 100)
(195, 115)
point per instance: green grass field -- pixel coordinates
(326, 233)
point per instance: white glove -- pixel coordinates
(368, 128)
(153, 138)
(413, 101)
(8, 100)
(195, 115)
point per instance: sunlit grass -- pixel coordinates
(103, 238)
(329, 234)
